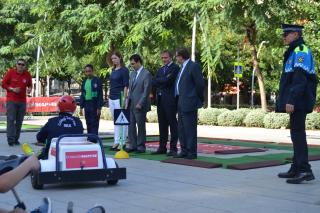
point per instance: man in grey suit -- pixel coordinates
(139, 104)
(189, 94)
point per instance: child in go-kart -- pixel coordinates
(64, 123)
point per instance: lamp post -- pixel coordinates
(254, 70)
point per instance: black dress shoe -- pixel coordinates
(10, 144)
(181, 155)
(114, 148)
(289, 174)
(172, 153)
(17, 143)
(159, 152)
(130, 150)
(303, 176)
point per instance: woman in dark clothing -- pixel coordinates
(119, 82)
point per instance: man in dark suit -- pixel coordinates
(164, 82)
(139, 104)
(189, 88)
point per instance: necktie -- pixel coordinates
(165, 69)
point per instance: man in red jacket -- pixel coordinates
(17, 82)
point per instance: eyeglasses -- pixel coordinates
(21, 64)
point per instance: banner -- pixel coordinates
(36, 104)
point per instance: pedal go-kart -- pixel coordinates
(72, 159)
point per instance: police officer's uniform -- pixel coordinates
(65, 123)
(297, 87)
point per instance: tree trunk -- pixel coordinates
(260, 78)
(251, 35)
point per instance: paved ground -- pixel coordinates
(157, 187)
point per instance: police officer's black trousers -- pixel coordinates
(92, 119)
(299, 140)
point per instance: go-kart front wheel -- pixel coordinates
(35, 180)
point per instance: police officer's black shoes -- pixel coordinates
(288, 174)
(302, 176)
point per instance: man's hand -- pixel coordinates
(289, 108)
(138, 106)
(81, 112)
(98, 112)
(29, 89)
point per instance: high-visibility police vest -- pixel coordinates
(301, 57)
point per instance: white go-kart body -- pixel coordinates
(72, 158)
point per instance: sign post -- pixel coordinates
(122, 118)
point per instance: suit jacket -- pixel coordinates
(165, 83)
(139, 90)
(191, 88)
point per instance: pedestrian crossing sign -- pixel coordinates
(238, 69)
(121, 117)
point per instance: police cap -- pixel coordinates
(291, 28)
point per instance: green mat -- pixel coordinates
(283, 157)
(3, 125)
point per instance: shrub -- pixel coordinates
(274, 120)
(106, 114)
(255, 118)
(313, 121)
(209, 116)
(77, 112)
(231, 118)
(152, 116)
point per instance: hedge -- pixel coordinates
(224, 117)
(255, 118)
(274, 120)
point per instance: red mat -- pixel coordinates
(255, 165)
(212, 148)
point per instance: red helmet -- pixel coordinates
(67, 104)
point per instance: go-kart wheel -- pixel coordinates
(113, 182)
(35, 180)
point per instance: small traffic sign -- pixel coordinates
(238, 69)
(122, 117)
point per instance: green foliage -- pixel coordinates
(255, 118)
(313, 121)
(209, 116)
(106, 114)
(231, 118)
(274, 120)
(152, 116)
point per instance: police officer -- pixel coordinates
(91, 100)
(297, 95)
(64, 123)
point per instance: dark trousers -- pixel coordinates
(92, 119)
(15, 115)
(187, 127)
(299, 140)
(167, 118)
(137, 118)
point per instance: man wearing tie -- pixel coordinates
(189, 88)
(139, 104)
(164, 82)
